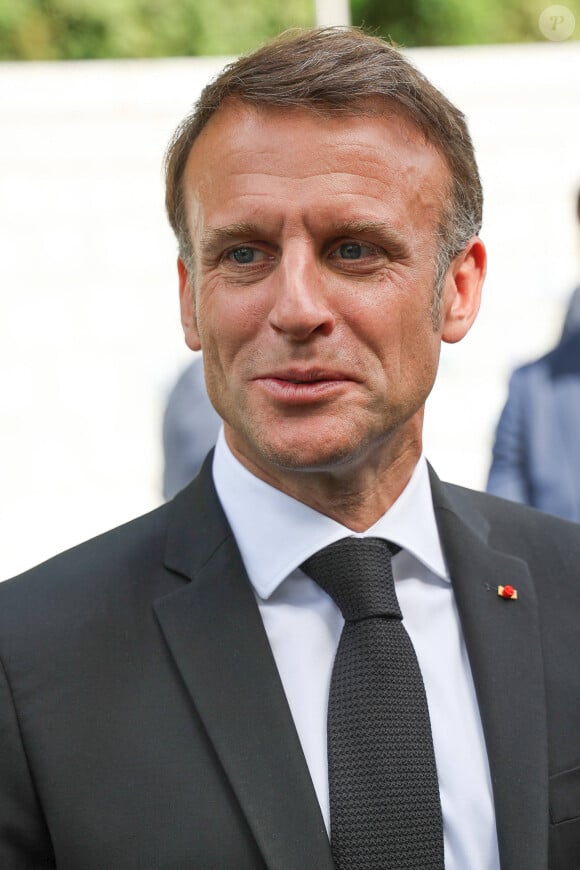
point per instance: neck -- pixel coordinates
(355, 494)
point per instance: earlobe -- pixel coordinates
(462, 291)
(187, 305)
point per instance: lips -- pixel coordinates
(306, 376)
(303, 386)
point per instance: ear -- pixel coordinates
(187, 305)
(462, 291)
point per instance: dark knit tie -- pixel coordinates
(385, 812)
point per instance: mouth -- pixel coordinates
(307, 376)
(297, 387)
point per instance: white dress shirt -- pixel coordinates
(275, 534)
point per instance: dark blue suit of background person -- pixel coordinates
(572, 319)
(536, 455)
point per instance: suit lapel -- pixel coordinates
(503, 643)
(215, 633)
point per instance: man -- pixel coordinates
(190, 429)
(167, 685)
(536, 453)
(572, 316)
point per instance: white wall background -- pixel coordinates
(89, 330)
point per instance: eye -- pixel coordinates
(353, 251)
(245, 255)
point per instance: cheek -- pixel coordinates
(408, 347)
(226, 333)
(229, 317)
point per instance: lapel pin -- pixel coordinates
(507, 592)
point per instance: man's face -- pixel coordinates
(314, 242)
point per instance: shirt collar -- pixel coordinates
(275, 533)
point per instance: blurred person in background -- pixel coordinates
(190, 429)
(536, 453)
(317, 656)
(572, 318)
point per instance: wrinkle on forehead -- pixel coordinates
(249, 153)
(232, 123)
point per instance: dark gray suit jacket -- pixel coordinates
(143, 724)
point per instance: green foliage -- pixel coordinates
(63, 29)
(75, 29)
(456, 22)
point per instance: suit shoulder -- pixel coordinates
(102, 560)
(519, 528)
(494, 506)
(565, 353)
(531, 371)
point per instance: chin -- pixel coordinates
(313, 455)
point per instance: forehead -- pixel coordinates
(250, 159)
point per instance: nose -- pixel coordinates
(301, 304)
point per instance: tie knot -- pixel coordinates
(357, 574)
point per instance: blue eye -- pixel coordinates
(351, 251)
(243, 255)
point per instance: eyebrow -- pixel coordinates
(216, 237)
(391, 238)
